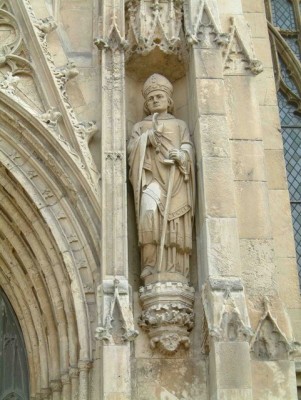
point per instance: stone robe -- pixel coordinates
(150, 176)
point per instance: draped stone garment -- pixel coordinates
(150, 177)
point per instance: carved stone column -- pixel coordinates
(114, 301)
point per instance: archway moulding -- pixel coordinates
(49, 244)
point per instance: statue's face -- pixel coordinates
(157, 102)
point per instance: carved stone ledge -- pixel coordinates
(167, 315)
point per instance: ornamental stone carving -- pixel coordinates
(154, 24)
(161, 163)
(239, 55)
(116, 323)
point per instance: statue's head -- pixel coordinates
(157, 86)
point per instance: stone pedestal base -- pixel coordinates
(167, 315)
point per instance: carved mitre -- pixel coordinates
(157, 82)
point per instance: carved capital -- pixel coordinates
(167, 315)
(73, 372)
(84, 365)
(65, 379)
(56, 386)
(45, 393)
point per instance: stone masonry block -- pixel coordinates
(288, 282)
(233, 370)
(210, 96)
(262, 50)
(276, 172)
(258, 268)
(248, 160)
(253, 6)
(223, 247)
(253, 210)
(282, 223)
(257, 24)
(265, 87)
(211, 136)
(271, 130)
(230, 7)
(274, 380)
(217, 187)
(207, 63)
(242, 108)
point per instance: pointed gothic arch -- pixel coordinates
(48, 253)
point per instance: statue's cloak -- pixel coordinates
(147, 166)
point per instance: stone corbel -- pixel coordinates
(167, 315)
(51, 117)
(45, 26)
(239, 56)
(225, 310)
(112, 294)
(65, 73)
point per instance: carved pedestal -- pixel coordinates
(167, 315)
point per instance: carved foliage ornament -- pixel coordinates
(167, 315)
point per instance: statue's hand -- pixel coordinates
(177, 156)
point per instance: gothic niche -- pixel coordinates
(161, 161)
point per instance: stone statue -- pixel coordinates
(162, 174)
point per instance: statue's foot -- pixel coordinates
(148, 270)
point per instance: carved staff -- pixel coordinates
(167, 208)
